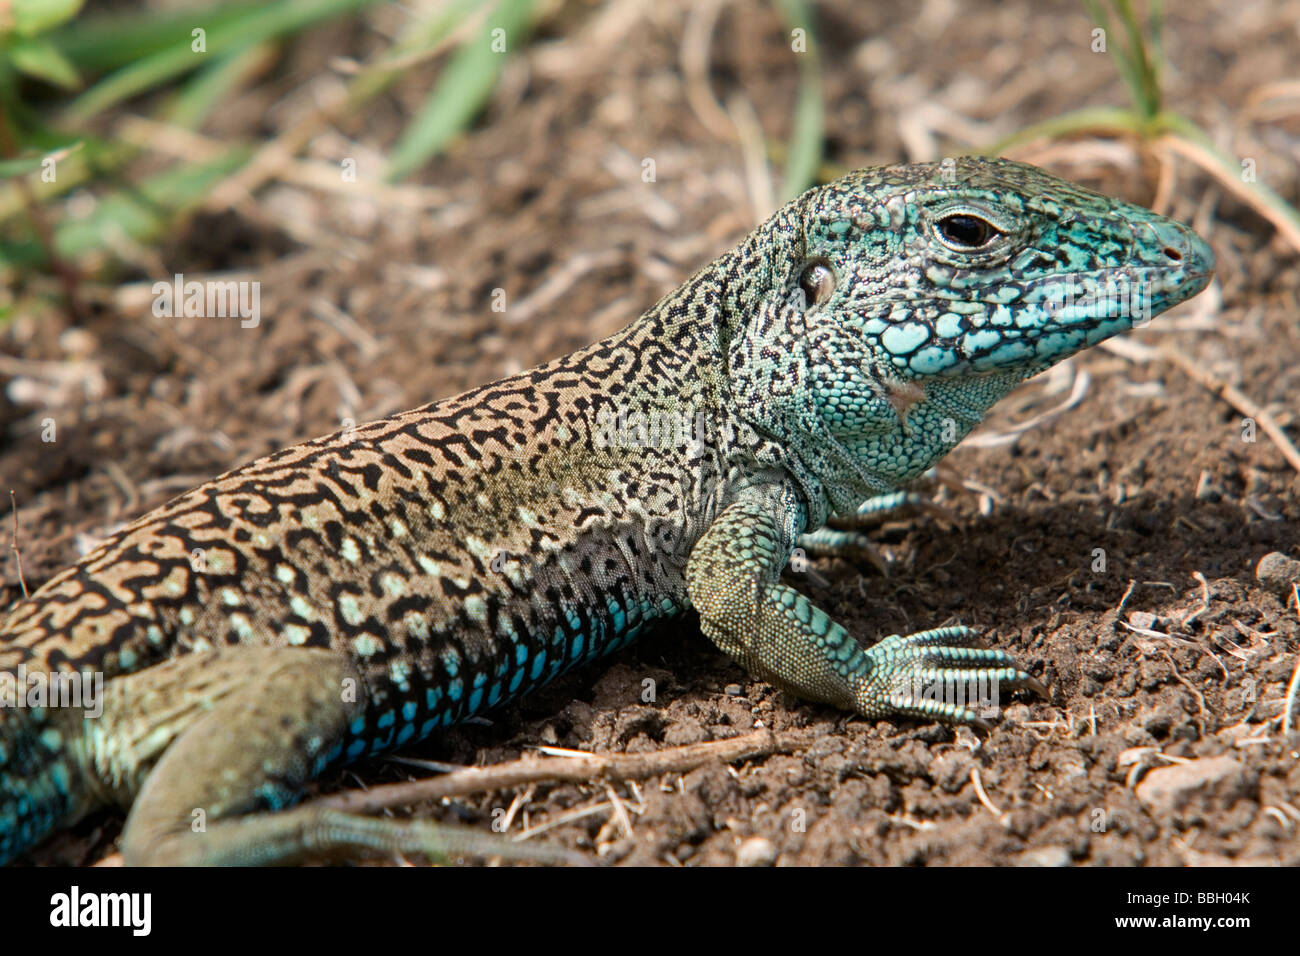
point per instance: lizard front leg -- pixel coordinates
(779, 635)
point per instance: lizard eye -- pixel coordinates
(964, 231)
(817, 280)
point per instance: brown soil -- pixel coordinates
(1149, 466)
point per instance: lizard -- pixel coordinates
(351, 594)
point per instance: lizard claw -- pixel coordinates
(936, 675)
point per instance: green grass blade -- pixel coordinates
(30, 18)
(39, 58)
(1145, 81)
(253, 26)
(99, 44)
(807, 138)
(461, 91)
(9, 168)
(421, 37)
(1102, 120)
(212, 85)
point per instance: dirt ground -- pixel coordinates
(1167, 666)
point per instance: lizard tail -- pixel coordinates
(39, 734)
(35, 781)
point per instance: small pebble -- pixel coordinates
(1278, 572)
(1215, 780)
(1054, 856)
(756, 851)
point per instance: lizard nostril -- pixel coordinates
(1173, 254)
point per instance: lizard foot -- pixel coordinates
(935, 674)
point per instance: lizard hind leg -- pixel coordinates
(244, 729)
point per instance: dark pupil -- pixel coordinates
(813, 277)
(965, 230)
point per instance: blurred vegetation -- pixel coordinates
(183, 65)
(63, 71)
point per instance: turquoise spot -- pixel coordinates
(1105, 330)
(455, 689)
(356, 749)
(904, 338)
(516, 681)
(1058, 343)
(60, 775)
(432, 698)
(539, 662)
(365, 645)
(1011, 352)
(406, 734)
(272, 795)
(932, 359)
(948, 325)
(387, 720)
(475, 699)
(617, 613)
(980, 340)
(357, 727)
(408, 711)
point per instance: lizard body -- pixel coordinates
(356, 592)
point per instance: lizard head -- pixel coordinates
(914, 297)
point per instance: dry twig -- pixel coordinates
(597, 767)
(18, 557)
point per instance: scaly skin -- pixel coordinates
(354, 593)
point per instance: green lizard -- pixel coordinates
(354, 593)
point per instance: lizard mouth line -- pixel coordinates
(1149, 279)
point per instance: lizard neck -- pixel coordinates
(664, 399)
